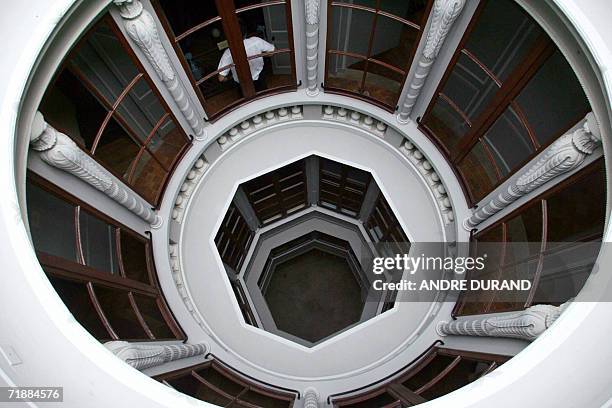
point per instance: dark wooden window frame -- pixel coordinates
(228, 18)
(540, 200)
(367, 59)
(407, 397)
(113, 112)
(236, 237)
(346, 186)
(285, 200)
(79, 272)
(247, 383)
(389, 224)
(504, 98)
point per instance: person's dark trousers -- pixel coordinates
(260, 84)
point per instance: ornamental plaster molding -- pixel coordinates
(526, 325)
(408, 149)
(250, 128)
(312, 15)
(60, 151)
(443, 15)
(311, 398)
(142, 356)
(142, 29)
(564, 155)
(312, 8)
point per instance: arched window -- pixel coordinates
(103, 271)
(102, 98)
(370, 46)
(507, 94)
(552, 241)
(233, 51)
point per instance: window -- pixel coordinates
(102, 271)
(233, 238)
(385, 230)
(552, 241)
(102, 98)
(438, 373)
(223, 44)
(497, 107)
(279, 193)
(370, 46)
(213, 382)
(342, 188)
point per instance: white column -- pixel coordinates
(564, 155)
(525, 325)
(311, 398)
(142, 29)
(142, 356)
(312, 8)
(58, 150)
(443, 15)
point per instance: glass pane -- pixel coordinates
(503, 36)
(185, 14)
(478, 172)
(462, 374)
(141, 110)
(446, 124)
(153, 318)
(487, 243)
(345, 72)
(393, 42)
(508, 141)
(204, 48)
(101, 59)
(411, 10)
(51, 223)
(578, 211)
(148, 177)
(524, 234)
(221, 381)
(565, 272)
(511, 300)
(167, 142)
(262, 400)
(134, 257)
(383, 84)
(77, 300)
(470, 87)
(189, 385)
(116, 148)
(220, 92)
(118, 310)
(553, 100)
(70, 108)
(276, 72)
(350, 30)
(429, 372)
(98, 243)
(265, 23)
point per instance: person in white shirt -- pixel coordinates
(253, 46)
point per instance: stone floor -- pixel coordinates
(314, 295)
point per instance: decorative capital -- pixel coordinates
(129, 9)
(443, 15)
(312, 11)
(564, 155)
(588, 137)
(42, 136)
(142, 356)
